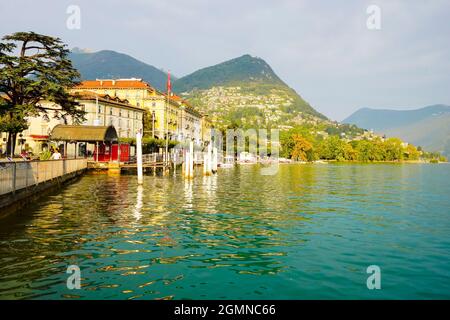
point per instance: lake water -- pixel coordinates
(308, 232)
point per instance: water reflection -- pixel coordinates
(306, 232)
(139, 203)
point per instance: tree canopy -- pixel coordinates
(33, 68)
(301, 144)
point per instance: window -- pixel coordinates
(99, 109)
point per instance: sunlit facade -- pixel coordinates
(173, 116)
(100, 109)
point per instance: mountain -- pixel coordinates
(107, 64)
(245, 91)
(428, 127)
(238, 70)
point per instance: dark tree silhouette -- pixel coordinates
(33, 68)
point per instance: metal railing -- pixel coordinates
(151, 158)
(19, 175)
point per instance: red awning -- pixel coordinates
(39, 137)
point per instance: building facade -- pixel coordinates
(101, 110)
(141, 95)
(105, 110)
(206, 128)
(172, 116)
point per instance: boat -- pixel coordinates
(247, 158)
(227, 162)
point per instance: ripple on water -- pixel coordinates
(308, 232)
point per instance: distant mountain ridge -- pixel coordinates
(428, 127)
(108, 64)
(237, 70)
(245, 91)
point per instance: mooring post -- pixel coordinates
(187, 164)
(214, 163)
(191, 159)
(139, 156)
(175, 163)
(209, 159)
(205, 163)
(183, 164)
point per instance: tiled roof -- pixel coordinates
(114, 84)
(175, 97)
(89, 95)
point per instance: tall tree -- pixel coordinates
(393, 149)
(302, 148)
(33, 68)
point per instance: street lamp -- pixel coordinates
(21, 142)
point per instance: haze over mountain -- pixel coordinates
(428, 127)
(245, 91)
(109, 64)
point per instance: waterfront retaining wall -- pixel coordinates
(23, 182)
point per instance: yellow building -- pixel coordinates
(173, 115)
(142, 95)
(189, 120)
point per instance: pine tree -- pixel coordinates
(34, 67)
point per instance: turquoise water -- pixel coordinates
(309, 232)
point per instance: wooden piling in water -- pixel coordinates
(214, 160)
(139, 157)
(191, 158)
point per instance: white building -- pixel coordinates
(173, 116)
(190, 127)
(101, 110)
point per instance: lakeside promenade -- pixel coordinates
(23, 182)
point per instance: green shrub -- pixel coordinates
(45, 155)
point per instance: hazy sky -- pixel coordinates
(322, 49)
